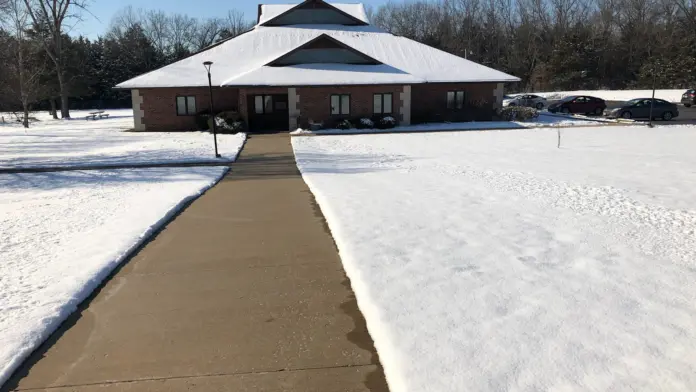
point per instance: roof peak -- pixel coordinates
(312, 12)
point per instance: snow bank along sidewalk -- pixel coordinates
(544, 120)
(495, 261)
(81, 143)
(64, 232)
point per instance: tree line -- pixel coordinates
(46, 68)
(549, 44)
(560, 44)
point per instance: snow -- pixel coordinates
(490, 261)
(270, 11)
(322, 75)
(247, 54)
(64, 232)
(619, 95)
(84, 143)
(544, 120)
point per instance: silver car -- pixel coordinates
(529, 100)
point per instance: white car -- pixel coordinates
(530, 100)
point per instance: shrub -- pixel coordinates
(225, 122)
(229, 126)
(518, 113)
(344, 124)
(365, 123)
(386, 122)
(202, 121)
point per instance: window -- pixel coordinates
(382, 104)
(340, 104)
(263, 104)
(455, 99)
(185, 106)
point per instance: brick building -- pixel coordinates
(316, 62)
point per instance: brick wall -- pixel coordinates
(429, 101)
(315, 102)
(159, 106)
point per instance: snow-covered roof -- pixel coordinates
(241, 61)
(321, 75)
(270, 11)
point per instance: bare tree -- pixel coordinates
(157, 29)
(688, 9)
(124, 20)
(208, 32)
(50, 15)
(235, 24)
(4, 9)
(182, 32)
(25, 73)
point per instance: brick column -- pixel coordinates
(242, 105)
(405, 110)
(498, 94)
(138, 112)
(293, 108)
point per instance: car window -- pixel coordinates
(661, 102)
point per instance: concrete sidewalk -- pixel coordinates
(243, 291)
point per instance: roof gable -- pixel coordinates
(323, 50)
(312, 12)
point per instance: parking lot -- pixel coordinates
(686, 115)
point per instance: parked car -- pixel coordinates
(689, 98)
(640, 108)
(579, 104)
(529, 100)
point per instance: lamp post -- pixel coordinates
(207, 66)
(652, 101)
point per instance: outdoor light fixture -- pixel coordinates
(652, 101)
(207, 66)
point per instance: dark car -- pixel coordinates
(579, 104)
(689, 98)
(640, 108)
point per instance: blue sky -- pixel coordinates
(103, 10)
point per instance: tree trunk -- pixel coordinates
(52, 101)
(64, 108)
(26, 114)
(23, 94)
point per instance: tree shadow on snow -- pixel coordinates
(94, 179)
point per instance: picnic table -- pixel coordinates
(98, 115)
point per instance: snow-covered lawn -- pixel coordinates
(62, 233)
(82, 143)
(493, 261)
(544, 120)
(618, 95)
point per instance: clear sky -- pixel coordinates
(95, 25)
